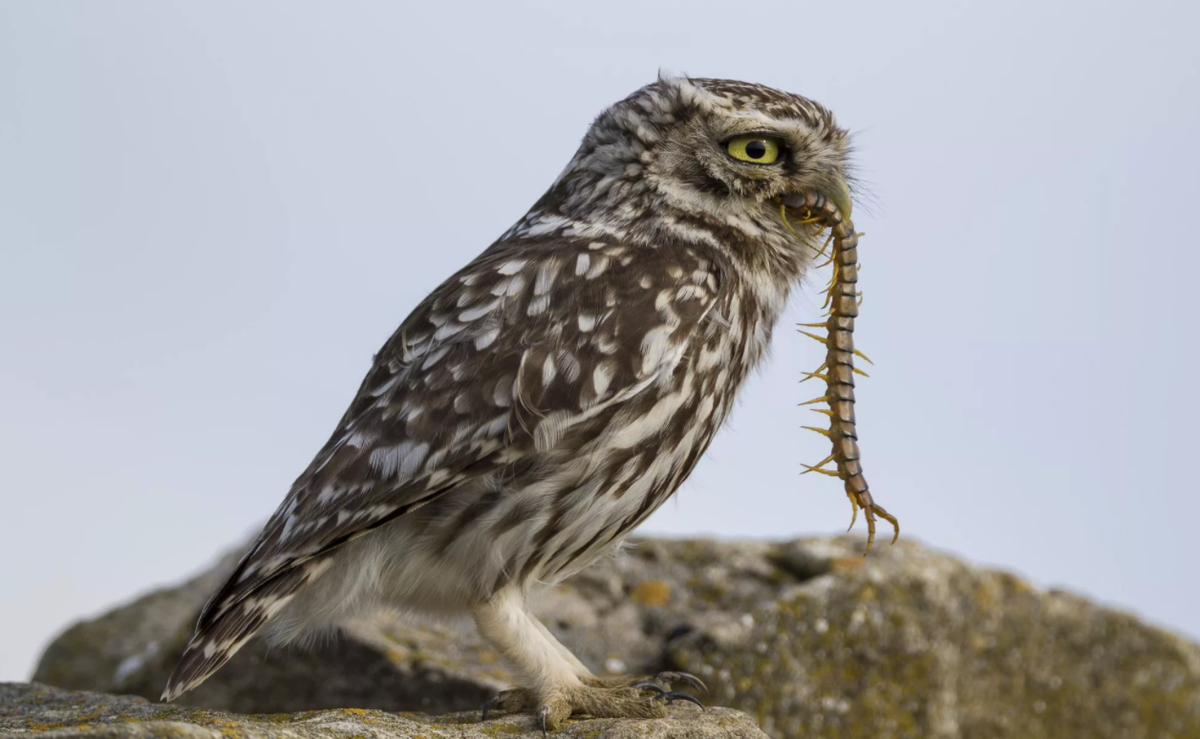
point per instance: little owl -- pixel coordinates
(552, 394)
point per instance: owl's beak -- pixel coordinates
(838, 193)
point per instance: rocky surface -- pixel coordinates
(806, 636)
(26, 710)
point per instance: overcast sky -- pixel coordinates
(213, 214)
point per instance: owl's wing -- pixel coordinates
(531, 339)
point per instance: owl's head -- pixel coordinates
(681, 153)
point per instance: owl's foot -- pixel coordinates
(638, 699)
(665, 680)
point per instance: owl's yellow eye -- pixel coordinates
(757, 149)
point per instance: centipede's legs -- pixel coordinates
(871, 509)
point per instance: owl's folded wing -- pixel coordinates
(495, 367)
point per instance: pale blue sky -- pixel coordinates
(212, 214)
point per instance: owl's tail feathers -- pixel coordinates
(230, 620)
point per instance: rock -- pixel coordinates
(392, 665)
(43, 711)
(806, 636)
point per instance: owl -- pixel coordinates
(544, 400)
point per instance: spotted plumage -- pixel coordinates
(547, 398)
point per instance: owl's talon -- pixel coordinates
(544, 713)
(507, 701)
(672, 696)
(489, 704)
(686, 678)
(649, 685)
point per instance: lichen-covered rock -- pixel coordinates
(28, 710)
(807, 636)
(915, 644)
(133, 648)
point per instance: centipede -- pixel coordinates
(842, 301)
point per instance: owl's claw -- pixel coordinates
(489, 706)
(669, 697)
(507, 701)
(686, 678)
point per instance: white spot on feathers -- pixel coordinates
(511, 267)
(485, 339)
(401, 460)
(478, 311)
(509, 287)
(502, 395)
(597, 268)
(434, 357)
(655, 346)
(545, 276)
(601, 377)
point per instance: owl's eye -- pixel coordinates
(757, 149)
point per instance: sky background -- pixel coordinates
(213, 214)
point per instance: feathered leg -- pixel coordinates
(552, 688)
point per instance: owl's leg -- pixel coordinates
(580, 669)
(551, 686)
(663, 680)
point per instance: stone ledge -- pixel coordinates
(32, 709)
